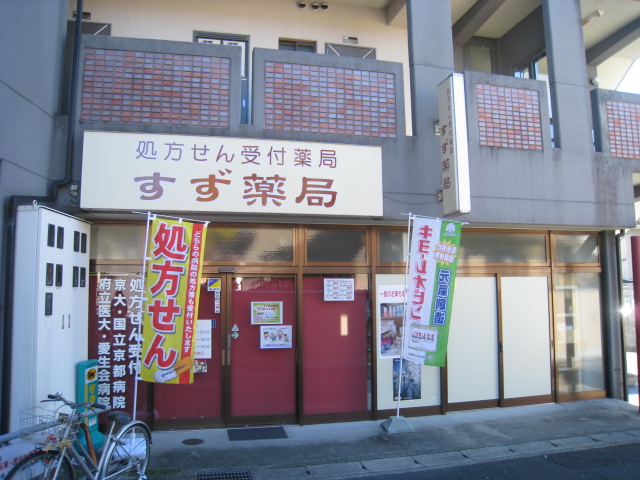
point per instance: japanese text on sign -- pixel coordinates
(115, 338)
(339, 289)
(454, 154)
(431, 276)
(173, 285)
(194, 173)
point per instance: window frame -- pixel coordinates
(298, 43)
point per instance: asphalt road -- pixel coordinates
(611, 463)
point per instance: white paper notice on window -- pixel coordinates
(339, 290)
(203, 339)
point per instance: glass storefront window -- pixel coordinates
(393, 246)
(347, 246)
(503, 248)
(579, 357)
(576, 248)
(117, 242)
(228, 244)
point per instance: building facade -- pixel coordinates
(305, 133)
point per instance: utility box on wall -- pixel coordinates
(50, 306)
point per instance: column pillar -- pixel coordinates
(568, 82)
(430, 61)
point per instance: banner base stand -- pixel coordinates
(397, 425)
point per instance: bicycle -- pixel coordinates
(125, 454)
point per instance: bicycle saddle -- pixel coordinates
(119, 417)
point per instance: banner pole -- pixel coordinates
(404, 310)
(142, 300)
(398, 424)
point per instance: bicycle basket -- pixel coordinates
(53, 423)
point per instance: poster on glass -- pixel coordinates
(390, 317)
(272, 336)
(266, 313)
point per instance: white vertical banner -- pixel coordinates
(430, 282)
(454, 149)
(422, 269)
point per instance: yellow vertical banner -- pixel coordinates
(174, 254)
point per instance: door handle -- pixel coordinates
(228, 351)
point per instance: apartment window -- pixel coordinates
(232, 40)
(297, 45)
(241, 41)
(350, 51)
(480, 55)
(536, 68)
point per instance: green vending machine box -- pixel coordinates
(87, 391)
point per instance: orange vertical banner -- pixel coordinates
(174, 254)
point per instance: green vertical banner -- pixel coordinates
(431, 283)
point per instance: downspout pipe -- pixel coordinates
(635, 259)
(6, 321)
(612, 317)
(625, 385)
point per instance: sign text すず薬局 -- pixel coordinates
(158, 172)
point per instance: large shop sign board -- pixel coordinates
(158, 172)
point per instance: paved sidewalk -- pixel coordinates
(346, 450)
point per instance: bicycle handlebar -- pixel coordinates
(57, 397)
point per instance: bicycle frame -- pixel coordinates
(120, 453)
(83, 457)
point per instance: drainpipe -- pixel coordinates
(635, 259)
(612, 316)
(6, 321)
(625, 386)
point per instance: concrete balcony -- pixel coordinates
(191, 88)
(517, 177)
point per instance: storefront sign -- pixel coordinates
(339, 290)
(431, 280)
(266, 313)
(222, 174)
(275, 336)
(114, 336)
(172, 291)
(214, 284)
(454, 150)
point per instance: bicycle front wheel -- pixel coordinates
(42, 465)
(128, 455)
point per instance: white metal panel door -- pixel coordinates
(472, 358)
(526, 336)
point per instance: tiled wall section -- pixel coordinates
(624, 129)
(320, 99)
(159, 88)
(509, 117)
